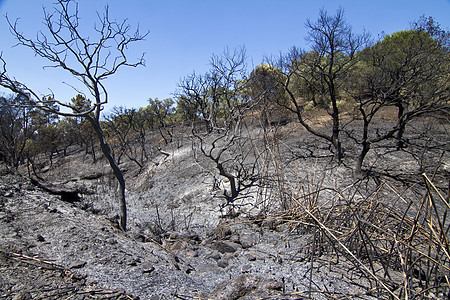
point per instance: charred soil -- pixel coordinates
(299, 235)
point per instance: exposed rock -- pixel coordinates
(244, 285)
(214, 255)
(223, 231)
(40, 238)
(251, 256)
(224, 247)
(207, 268)
(191, 253)
(147, 268)
(246, 268)
(77, 264)
(223, 263)
(68, 192)
(22, 296)
(248, 239)
(270, 223)
(175, 245)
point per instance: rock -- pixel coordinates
(232, 255)
(146, 237)
(215, 255)
(247, 240)
(223, 263)
(77, 264)
(194, 238)
(225, 247)
(40, 238)
(191, 253)
(207, 268)
(84, 247)
(132, 262)
(251, 256)
(69, 193)
(272, 284)
(223, 231)
(175, 235)
(176, 245)
(235, 288)
(111, 241)
(188, 269)
(147, 268)
(248, 286)
(235, 239)
(246, 268)
(270, 222)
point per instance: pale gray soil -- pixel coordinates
(179, 244)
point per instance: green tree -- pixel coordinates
(408, 70)
(46, 134)
(162, 112)
(15, 129)
(308, 84)
(120, 128)
(86, 135)
(70, 133)
(266, 90)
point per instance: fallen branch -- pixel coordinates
(68, 193)
(27, 259)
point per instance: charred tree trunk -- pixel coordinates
(232, 179)
(335, 115)
(401, 130)
(359, 162)
(399, 137)
(106, 150)
(365, 142)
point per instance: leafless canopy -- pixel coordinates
(89, 59)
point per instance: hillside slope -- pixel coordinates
(182, 242)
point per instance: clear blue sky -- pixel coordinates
(185, 33)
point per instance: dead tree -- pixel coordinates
(218, 99)
(233, 157)
(90, 60)
(333, 52)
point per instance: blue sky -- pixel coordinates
(184, 34)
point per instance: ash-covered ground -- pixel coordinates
(182, 241)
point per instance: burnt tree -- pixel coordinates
(89, 57)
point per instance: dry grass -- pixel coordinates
(396, 247)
